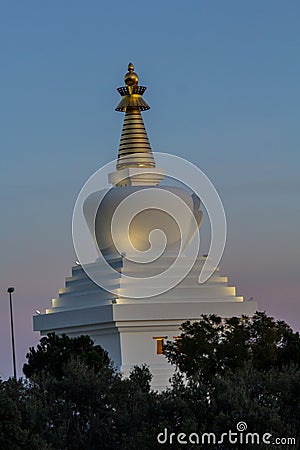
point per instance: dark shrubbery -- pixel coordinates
(228, 370)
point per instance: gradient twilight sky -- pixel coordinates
(223, 86)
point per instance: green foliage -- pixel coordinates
(54, 351)
(214, 345)
(265, 400)
(80, 402)
(141, 376)
(15, 431)
(228, 370)
(236, 369)
(76, 410)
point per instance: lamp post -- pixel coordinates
(10, 290)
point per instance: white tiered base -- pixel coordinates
(126, 327)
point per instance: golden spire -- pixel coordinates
(134, 148)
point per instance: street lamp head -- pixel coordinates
(10, 290)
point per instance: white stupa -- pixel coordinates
(130, 327)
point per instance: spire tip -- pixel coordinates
(131, 78)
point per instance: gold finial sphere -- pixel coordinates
(131, 78)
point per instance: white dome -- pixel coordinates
(99, 218)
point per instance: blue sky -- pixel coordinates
(223, 86)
